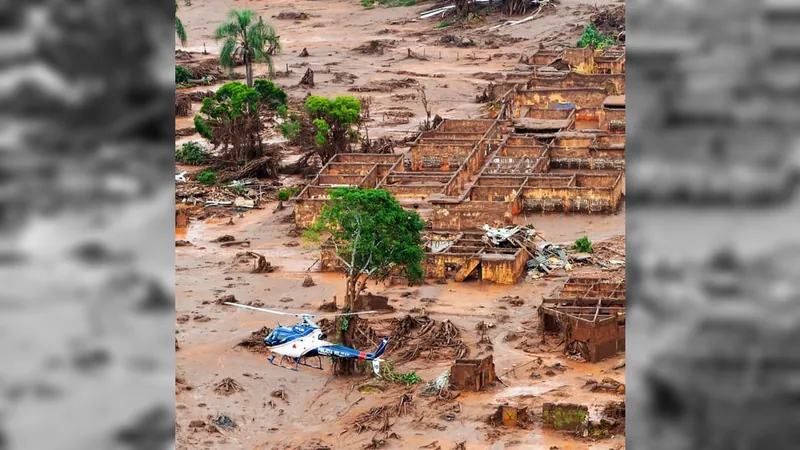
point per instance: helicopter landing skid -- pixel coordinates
(297, 362)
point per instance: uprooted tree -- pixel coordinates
(180, 31)
(234, 118)
(373, 237)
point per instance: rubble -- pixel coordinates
(308, 281)
(260, 264)
(565, 416)
(291, 15)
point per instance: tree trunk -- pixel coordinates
(248, 67)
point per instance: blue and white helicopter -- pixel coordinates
(305, 340)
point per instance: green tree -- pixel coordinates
(244, 37)
(333, 122)
(373, 238)
(179, 30)
(234, 118)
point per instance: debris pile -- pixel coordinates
(228, 386)
(260, 263)
(437, 386)
(385, 85)
(255, 342)
(382, 414)
(292, 15)
(414, 336)
(375, 47)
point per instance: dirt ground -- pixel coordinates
(319, 411)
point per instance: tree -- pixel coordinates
(179, 30)
(233, 119)
(373, 238)
(333, 122)
(247, 39)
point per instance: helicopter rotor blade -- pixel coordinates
(346, 314)
(280, 313)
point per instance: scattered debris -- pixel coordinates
(228, 386)
(385, 85)
(255, 342)
(344, 78)
(292, 244)
(606, 385)
(224, 238)
(224, 421)
(436, 386)
(279, 393)
(230, 298)
(182, 243)
(304, 53)
(308, 78)
(308, 281)
(375, 47)
(260, 264)
(291, 15)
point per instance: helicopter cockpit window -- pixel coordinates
(277, 337)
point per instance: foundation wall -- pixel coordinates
(306, 211)
(613, 84)
(570, 199)
(436, 264)
(566, 417)
(506, 269)
(470, 215)
(586, 158)
(438, 157)
(613, 120)
(413, 190)
(548, 98)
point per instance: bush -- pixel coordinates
(595, 39)
(583, 245)
(192, 153)
(443, 24)
(286, 194)
(207, 177)
(182, 75)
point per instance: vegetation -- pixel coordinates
(583, 245)
(334, 124)
(234, 118)
(207, 177)
(285, 194)
(595, 39)
(252, 41)
(192, 153)
(387, 3)
(182, 75)
(179, 30)
(373, 236)
(387, 372)
(444, 24)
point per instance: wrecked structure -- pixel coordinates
(590, 313)
(557, 145)
(473, 374)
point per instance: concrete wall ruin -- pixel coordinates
(590, 312)
(473, 374)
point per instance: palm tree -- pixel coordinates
(247, 38)
(179, 30)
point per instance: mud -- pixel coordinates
(322, 411)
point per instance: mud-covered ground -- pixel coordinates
(319, 411)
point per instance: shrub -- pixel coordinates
(182, 75)
(286, 194)
(192, 153)
(595, 39)
(207, 177)
(443, 24)
(583, 245)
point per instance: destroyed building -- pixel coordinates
(590, 315)
(557, 145)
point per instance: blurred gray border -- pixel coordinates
(713, 211)
(86, 240)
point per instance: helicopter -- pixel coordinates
(305, 340)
